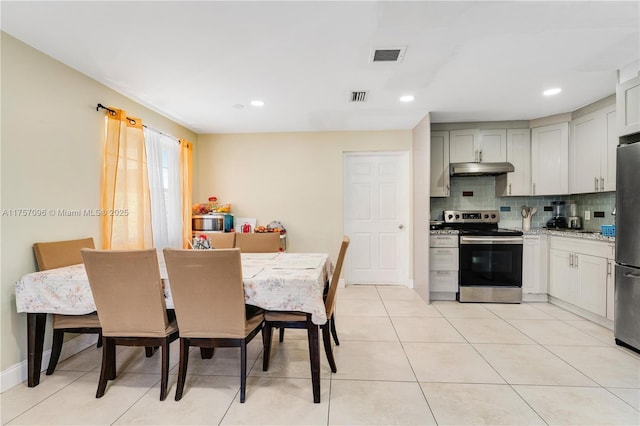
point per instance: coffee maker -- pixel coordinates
(558, 220)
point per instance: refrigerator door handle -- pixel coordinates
(631, 275)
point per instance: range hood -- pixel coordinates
(480, 169)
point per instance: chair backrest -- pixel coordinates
(56, 254)
(207, 291)
(330, 301)
(222, 240)
(127, 291)
(268, 242)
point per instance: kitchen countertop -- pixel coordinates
(587, 235)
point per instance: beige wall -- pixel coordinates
(296, 178)
(50, 158)
(421, 206)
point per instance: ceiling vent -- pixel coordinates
(390, 54)
(358, 96)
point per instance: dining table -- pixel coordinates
(272, 281)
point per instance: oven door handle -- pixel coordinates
(490, 240)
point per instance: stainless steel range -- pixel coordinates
(490, 258)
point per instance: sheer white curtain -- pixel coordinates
(163, 162)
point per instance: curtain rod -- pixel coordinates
(113, 111)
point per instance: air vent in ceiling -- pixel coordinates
(389, 54)
(358, 96)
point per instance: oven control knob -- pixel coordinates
(486, 216)
(493, 216)
(457, 216)
(450, 216)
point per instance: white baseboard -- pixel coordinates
(17, 373)
(607, 323)
(535, 297)
(439, 295)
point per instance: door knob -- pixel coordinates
(401, 226)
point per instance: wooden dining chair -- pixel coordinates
(129, 295)
(56, 254)
(268, 242)
(208, 296)
(283, 319)
(222, 240)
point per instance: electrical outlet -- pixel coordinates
(587, 215)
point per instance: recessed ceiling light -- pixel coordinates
(407, 98)
(551, 92)
(257, 103)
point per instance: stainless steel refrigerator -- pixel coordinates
(627, 285)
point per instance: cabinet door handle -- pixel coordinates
(601, 183)
(576, 263)
(571, 260)
(534, 188)
(608, 268)
(476, 155)
(447, 190)
(509, 189)
(481, 156)
(595, 181)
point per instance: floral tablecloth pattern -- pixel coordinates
(273, 281)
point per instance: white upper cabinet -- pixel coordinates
(518, 154)
(478, 146)
(549, 159)
(439, 164)
(608, 158)
(493, 146)
(592, 152)
(628, 107)
(463, 146)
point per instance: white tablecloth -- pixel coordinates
(273, 281)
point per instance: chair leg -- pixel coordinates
(281, 335)
(149, 351)
(333, 329)
(112, 361)
(206, 353)
(182, 369)
(164, 378)
(107, 367)
(266, 344)
(99, 344)
(326, 339)
(314, 358)
(56, 348)
(243, 370)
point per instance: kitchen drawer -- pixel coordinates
(443, 259)
(443, 281)
(443, 241)
(578, 245)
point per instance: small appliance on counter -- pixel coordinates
(436, 224)
(559, 219)
(574, 222)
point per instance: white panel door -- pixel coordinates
(376, 188)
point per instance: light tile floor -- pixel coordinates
(400, 361)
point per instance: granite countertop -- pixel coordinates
(587, 235)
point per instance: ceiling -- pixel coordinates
(201, 63)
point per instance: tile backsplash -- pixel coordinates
(484, 198)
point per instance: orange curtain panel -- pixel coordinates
(125, 201)
(186, 180)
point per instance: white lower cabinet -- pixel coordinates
(534, 267)
(443, 266)
(580, 272)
